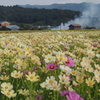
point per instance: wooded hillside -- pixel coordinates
(36, 16)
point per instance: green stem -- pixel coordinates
(32, 91)
(89, 94)
(96, 91)
(31, 95)
(55, 96)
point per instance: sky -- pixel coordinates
(42, 2)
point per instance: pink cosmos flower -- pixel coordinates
(72, 95)
(6, 43)
(51, 66)
(70, 79)
(94, 45)
(3, 72)
(98, 41)
(26, 72)
(69, 62)
(64, 93)
(38, 97)
(94, 41)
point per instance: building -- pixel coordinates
(4, 23)
(12, 27)
(74, 27)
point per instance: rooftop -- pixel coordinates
(74, 25)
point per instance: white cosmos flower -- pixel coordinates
(22, 56)
(4, 77)
(49, 58)
(97, 66)
(98, 55)
(23, 92)
(55, 86)
(65, 69)
(97, 75)
(50, 79)
(17, 66)
(6, 86)
(90, 53)
(76, 61)
(33, 77)
(16, 74)
(64, 79)
(45, 85)
(89, 69)
(9, 93)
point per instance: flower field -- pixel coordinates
(50, 65)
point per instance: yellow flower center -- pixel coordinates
(6, 87)
(50, 81)
(73, 72)
(27, 54)
(46, 85)
(49, 58)
(23, 91)
(88, 68)
(90, 82)
(55, 87)
(8, 93)
(51, 67)
(34, 60)
(65, 70)
(23, 64)
(16, 66)
(84, 65)
(16, 75)
(61, 58)
(79, 80)
(17, 62)
(31, 77)
(4, 78)
(63, 79)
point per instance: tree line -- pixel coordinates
(53, 17)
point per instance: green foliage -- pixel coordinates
(3, 28)
(90, 27)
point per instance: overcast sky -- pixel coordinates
(42, 2)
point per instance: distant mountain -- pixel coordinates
(69, 6)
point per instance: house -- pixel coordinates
(12, 27)
(74, 27)
(4, 23)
